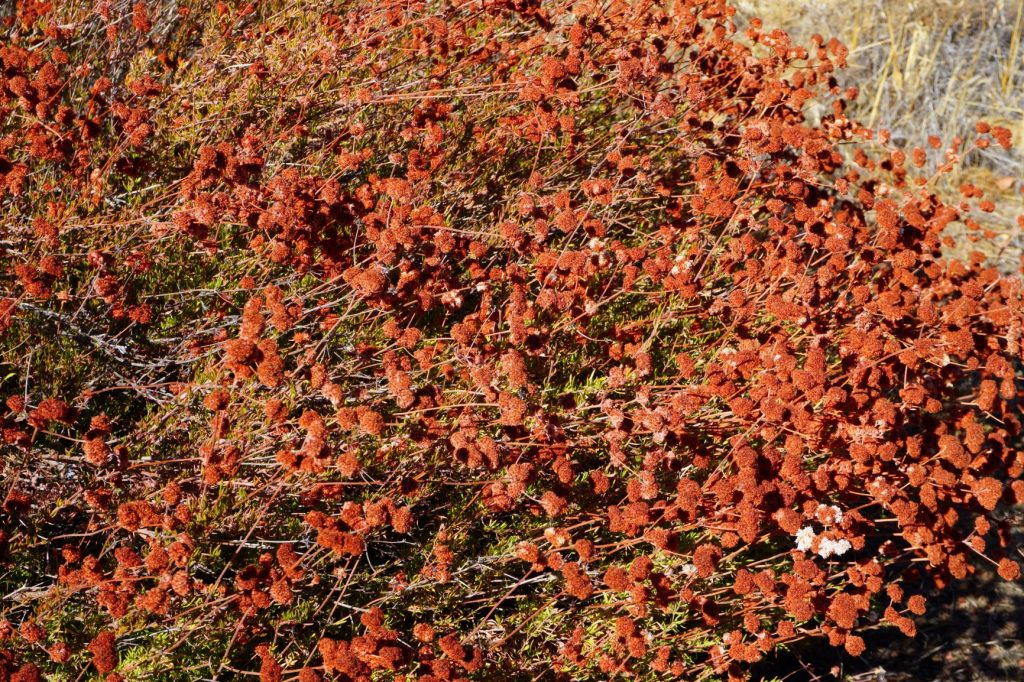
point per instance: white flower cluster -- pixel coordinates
(805, 538)
(827, 547)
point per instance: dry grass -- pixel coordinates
(932, 67)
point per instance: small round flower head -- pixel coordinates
(805, 538)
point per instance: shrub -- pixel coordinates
(490, 340)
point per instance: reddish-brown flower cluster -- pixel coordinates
(468, 341)
(104, 652)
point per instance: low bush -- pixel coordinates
(481, 340)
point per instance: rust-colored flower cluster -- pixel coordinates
(445, 341)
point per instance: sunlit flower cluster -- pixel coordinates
(434, 341)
